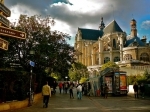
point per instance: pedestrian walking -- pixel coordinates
(66, 87)
(83, 89)
(60, 87)
(46, 92)
(142, 90)
(106, 89)
(71, 90)
(79, 91)
(135, 87)
(54, 86)
(63, 87)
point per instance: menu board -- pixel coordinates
(108, 81)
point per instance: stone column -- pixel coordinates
(90, 54)
(111, 54)
(100, 51)
(94, 58)
(121, 48)
(85, 52)
(82, 52)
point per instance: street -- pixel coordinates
(63, 103)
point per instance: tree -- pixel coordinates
(77, 71)
(110, 65)
(51, 48)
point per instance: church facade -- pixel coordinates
(96, 47)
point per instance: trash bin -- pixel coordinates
(98, 92)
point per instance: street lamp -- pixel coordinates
(66, 78)
(32, 64)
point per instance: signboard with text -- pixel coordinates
(5, 10)
(12, 33)
(4, 21)
(3, 44)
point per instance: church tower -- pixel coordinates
(133, 28)
(102, 25)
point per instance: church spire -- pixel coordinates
(102, 25)
(133, 28)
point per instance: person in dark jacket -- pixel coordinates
(71, 90)
(142, 90)
(135, 87)
(106, 90)
(54, 86)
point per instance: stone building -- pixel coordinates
(96, 47)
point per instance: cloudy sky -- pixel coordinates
(71, 14)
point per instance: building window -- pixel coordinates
(97, 61)
(144, 57)
(114, 43)
(116, 59)
(127, 57)
(106, 59)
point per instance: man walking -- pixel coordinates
(135, 87)
(46, 92)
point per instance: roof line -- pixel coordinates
(87, 29)
(110, 23)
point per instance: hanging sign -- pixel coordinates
(4, 21)
(5, 10)
(3, 44)
(12, 33)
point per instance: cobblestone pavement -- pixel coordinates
(62, 103)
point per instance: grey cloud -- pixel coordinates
(39, 5)
(120, 10)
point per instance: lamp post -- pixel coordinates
(31, 70)
(66, 78)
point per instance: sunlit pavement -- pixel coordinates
(63, 103)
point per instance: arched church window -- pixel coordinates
(116, 59)
(114, 43)
(106, 59)
(144, 57)
(127, 57)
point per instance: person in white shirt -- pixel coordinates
(79, 91)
